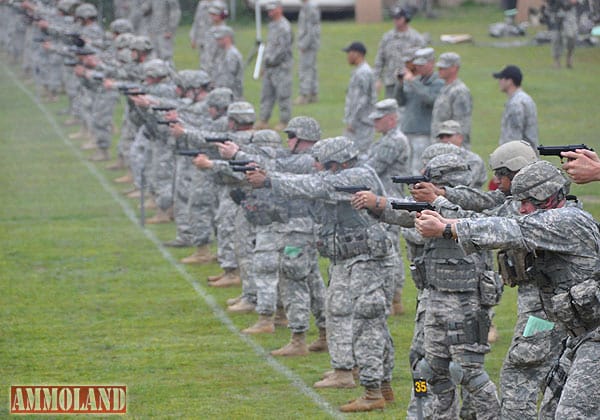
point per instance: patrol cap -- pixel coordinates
(241, 112)
(305, 128)
(397, 12)
(383, 108)
(273, 4)
(156, 68)
(268, 138)
(356, 46)
(121, 26)
(141, 43)
(222, 31)
(539, 180)
(449, 127)
(192, 79)
(449, 169)
(513, 155)
(336, 149)
(219, 98)
(448, 59)
(86, 11)
(218, 8)
(423, 56)
(510, 72)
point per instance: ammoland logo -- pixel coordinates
(67, 399)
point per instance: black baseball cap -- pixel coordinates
(356, 46)
(510, 72)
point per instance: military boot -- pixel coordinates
(71, 121)
(296, 347)
(280, 318)
(89, 145)
(313, 98)
(178, 243)
(340, 378)
(492, 334)
(212, 279)
(203, 255)
(387, 392)
(264, 325)
(231, 301)
(125, 179)
(301, 100)
(570, 60)
(397, 306)
(241, 307)
(101, 155)
(161, 216)
(150, 204)
(78, 135)
(230, 279)
(117, 166)
(372, 400)
(280, 126)
(320, 344)
(355, 373)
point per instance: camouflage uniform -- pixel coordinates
(165, 19)
(278, 66)
(141, 17)
(309, 39)
(361, 286)
(122, 8)
(360, 98)
(393, 48)
(454, 103)
(228, 66)
(519, 120)
(200, 26)
(563, 29)
(563, 270)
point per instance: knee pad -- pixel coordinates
(423, 370)
(456, 373)
(476, 382)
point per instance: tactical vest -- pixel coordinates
(262, 207)
(448, 269)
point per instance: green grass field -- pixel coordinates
(90, 298)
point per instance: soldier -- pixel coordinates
(451, 132)
(309, 39)
(563, 267)
(211, 53)
(390, 156)
(417, 92)
(361, 280)
(278, 66)
(165, 19)
(562, 23)
(200, 26)
(519, 120)
(360, 98)
(393, 47)
(454, 101)
(229, 66)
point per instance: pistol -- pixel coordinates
(163, 108)
(556, 150)
(352, 189)
(411, 206)
(409, 180)
(216, 139)
(190, 152)
(239, 162)
(167, 122)
(244, 168)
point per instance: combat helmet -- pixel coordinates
(269, 138)
(86, 11)
(67, 6)
(219, 98)
(438, 149)
(193, 79)
(336, 149)
(121, 26)
(241, 112)
(156, 68)
(305, 128)
(513, 155)
(123, 41)
(141, 43)
(448, 169)
(539, 180)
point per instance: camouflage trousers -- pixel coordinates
(563, 39)
(181, 195)
(162, 171)
(359, 297)
(140, 156)
(362, 136)
(128, 132)
(226, 234)
(528, 360)
(307, 73)
(578, 398)
(163, 47)
(418, 143)
(102, 111)
(276, 87)
(244, 249)
(446, 340)
(203, 202)
(71, 84)
(301, 285)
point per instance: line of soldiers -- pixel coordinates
(274, 210)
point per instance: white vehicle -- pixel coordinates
(324, 5)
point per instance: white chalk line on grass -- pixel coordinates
(294, 379)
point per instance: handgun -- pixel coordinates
(352, 189)
(411, 205)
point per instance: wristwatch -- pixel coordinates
(447, 232)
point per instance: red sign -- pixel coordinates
(62, 399)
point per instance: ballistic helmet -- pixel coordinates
(219, 98)
(437, 149)
(241, 113)
(141, 43)
(448, 169)
(539, 180)
(305, 128)
(336, 149)
(67, 6)
(268, 138)
(156, 68)
(86, 11)
(513, 155)
(123, 40)
(193, 79)
(121, 26)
